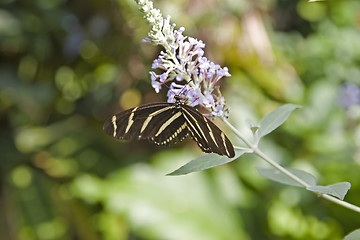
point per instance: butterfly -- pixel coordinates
(163, 123)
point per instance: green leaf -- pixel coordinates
(354, 235)
(205, 162)
(274, 119)
(280, 177)
(338, 190)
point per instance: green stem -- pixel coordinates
(258, 152)
(280, 168)
(340, 202)
(250, 145)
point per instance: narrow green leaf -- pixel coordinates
(338, 190)
(277, 176)
(275, 118)
(204, 162)
(354, 235)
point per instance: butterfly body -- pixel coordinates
(164, 123)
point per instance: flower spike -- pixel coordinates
(183, 60)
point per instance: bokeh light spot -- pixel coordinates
(65, 80)
(50, 230)
(65, 146)
(9, 25)
(88, 186)
(26, 232)
(130, 98)
(313, 11)
(30, 139)
(318, 229)
(63, 76)
(106, 72)
(21, 176)
(63, 168)
(88, 50)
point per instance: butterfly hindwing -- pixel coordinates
(171, 129)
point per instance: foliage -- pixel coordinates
(66, 66)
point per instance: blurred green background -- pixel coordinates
(68, 65)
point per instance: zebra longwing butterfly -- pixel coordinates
(164, 123)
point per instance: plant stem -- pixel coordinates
(252, 146)
(258, 152)
(280, 168)
(341, 202)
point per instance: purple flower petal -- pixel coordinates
(163, 77)
(179, 78)
(146, 40)
(194, 96)
(208, 101)
(156, 85)
(153, 76)
(223, 72)
(218, 112)
(199, 52)
(204, 63)
(156, 63)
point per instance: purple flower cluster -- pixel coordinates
(349, 95)
(193, 77)
(184, 62)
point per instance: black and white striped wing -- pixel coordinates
(160, 123)
(164, 123)
(207, 135)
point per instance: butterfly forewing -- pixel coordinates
(160, 123)
(208, 136)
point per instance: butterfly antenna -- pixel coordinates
(187, 83)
